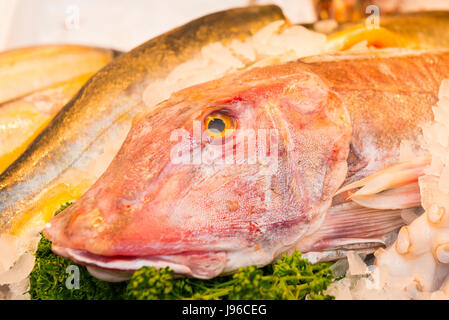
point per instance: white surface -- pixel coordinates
(111, 23)
(124, 24)
(7, 9)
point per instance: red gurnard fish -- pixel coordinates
(331, 120)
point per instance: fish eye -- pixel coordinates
(219, 125)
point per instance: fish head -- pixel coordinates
(221, 175)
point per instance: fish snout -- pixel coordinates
(87, 238)
(79, 228)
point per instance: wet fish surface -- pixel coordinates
(79, 143)
(339, 118)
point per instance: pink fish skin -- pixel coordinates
(337, 118)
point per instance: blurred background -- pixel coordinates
(123, 25)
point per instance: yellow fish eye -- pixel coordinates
(218, 125)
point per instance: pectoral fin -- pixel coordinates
(371, 215)
(391, 177)
(403, 197)
(351, 225)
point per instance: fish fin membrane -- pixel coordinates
(372, 213)
(403, 197)
(395, 176)
(350, 226)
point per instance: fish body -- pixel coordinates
(416, 30)
(22, 119)
(334, 118)
(36, 82)
(79, 143)
(29, 69)
(422, 30)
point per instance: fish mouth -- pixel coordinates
(198, 264)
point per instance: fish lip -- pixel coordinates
(129, 264)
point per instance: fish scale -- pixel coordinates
(350, 100)
(52, 166)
